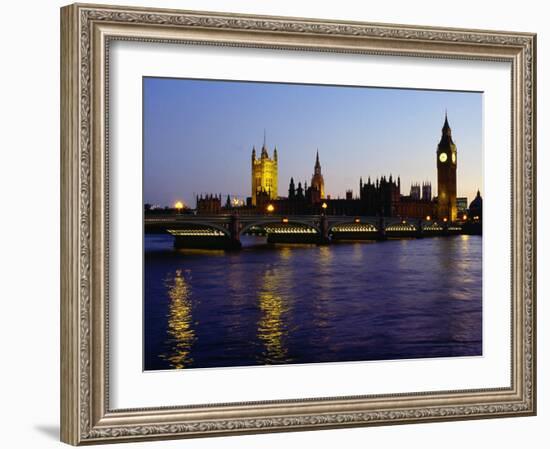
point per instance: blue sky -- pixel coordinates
(198, 135)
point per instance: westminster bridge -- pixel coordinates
(224, 231)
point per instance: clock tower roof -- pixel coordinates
(446, 134)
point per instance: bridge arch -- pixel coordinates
(198, 229)
(402, 225)
(281, 226)
(433, 226)
(353, 226)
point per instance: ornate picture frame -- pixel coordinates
(86, 34)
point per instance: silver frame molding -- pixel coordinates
(86, 32)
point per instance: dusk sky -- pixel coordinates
(198, 136)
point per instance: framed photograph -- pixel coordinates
(279, 224)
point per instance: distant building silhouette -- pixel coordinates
(461, 206)
(415, 191)
(209, 204)
(380, 197)
(291, 190)
(475, 211)
(427, 191)
(417, 205)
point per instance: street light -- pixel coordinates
(179, 206)
(324, 205)
(270, 208)
(445, 219)
(428, 218)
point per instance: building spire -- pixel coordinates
(317, 169)
(263, 153)
(446, 134)
(446, 128)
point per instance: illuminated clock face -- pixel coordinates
(454, 158)
(443, 157)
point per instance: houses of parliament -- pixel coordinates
(376, 197)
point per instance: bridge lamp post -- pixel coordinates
(445, 219)
(178, 206)
(324, 206)
(357, 220)
(270, 208)
(428, 218)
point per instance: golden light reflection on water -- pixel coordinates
(321, 299)
(325, 255)
(285, 253)
(324, 274)
(180, 323)
(271, 327)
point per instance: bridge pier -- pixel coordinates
(419, 232)
(324, 228)
(381, 229)
(235, 232)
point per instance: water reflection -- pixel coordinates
(180, 323)
(321, 298)
(271, 326)
(304, 304)
(285, 253)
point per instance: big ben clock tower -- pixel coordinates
(446, 175)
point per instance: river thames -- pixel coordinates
(410, 298)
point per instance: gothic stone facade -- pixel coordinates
(264, 175)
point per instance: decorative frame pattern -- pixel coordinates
(86, 32)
